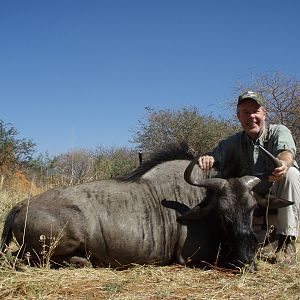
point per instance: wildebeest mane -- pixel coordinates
(174, 151)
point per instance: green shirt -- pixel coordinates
(252, 160)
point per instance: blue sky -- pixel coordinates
(79, 74)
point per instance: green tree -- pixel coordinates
(201, 132)
(82, 165)
(73, 167)
(42, 168)
(15, 153)
(114, 162)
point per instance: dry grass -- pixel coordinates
(149, 282)
(272, 281)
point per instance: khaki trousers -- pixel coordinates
(288, 188)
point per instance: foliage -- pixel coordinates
(73, 167)
(15, 153)
(81, 165)
(201, 132)
(41, 169)
(114, 162)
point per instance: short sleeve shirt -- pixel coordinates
(275, 138)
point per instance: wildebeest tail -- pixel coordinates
(7, 233)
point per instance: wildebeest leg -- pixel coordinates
(180, 244)
(181, 208)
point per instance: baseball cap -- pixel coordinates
(251, 95)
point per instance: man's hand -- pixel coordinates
(286, 159)
(206, 162)
(279, 172)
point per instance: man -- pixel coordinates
(283, 181)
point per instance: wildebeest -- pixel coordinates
(133, 219)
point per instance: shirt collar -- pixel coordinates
(261, 138)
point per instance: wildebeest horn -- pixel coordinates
(271, 156)
(250, 181)
(188, 171)
(215, 184)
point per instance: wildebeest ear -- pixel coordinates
(272, 201)
(177, 206)
(197, 213)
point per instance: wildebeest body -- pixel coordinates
(134, 220)
(117, 222)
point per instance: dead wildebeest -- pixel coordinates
(122, 221)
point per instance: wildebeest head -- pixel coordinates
(232, 204)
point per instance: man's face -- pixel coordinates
(252, 117)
